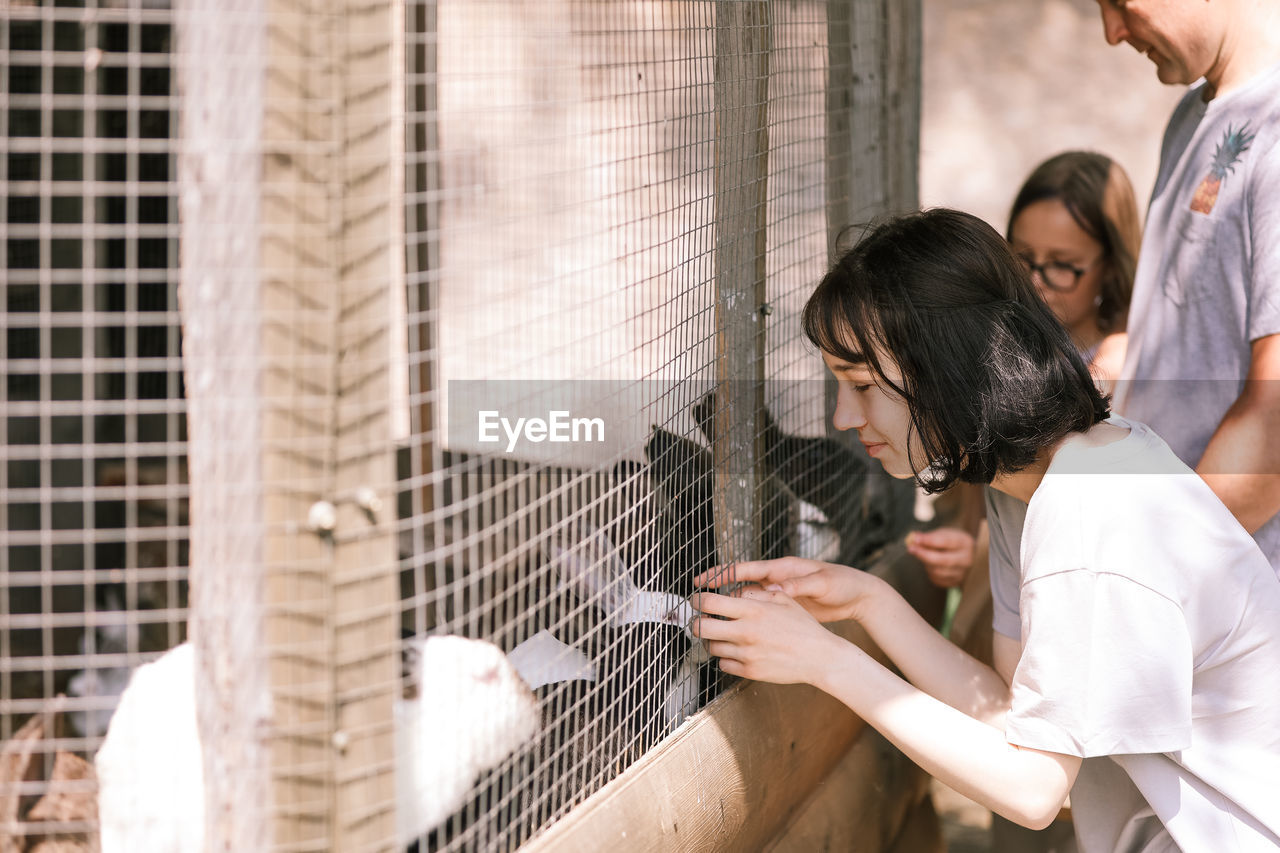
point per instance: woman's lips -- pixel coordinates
(874, 448)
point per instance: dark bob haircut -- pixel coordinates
(989, 375)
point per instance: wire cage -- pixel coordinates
(439, 345)
(93, 577)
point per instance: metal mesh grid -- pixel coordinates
(571, 194)
(563, 252)
(95, 448)
(93, 563)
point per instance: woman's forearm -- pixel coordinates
(930, 661)
(1025, 785)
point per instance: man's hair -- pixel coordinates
(1098, 195)
(989, 375)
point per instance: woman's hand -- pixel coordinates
(827, 591)
(764, 636)
(947, 554)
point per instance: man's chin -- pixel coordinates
(1168, 73)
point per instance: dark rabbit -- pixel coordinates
(831, 476)
(684, 480)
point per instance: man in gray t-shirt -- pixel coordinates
(1206, 305)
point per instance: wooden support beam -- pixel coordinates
(220, 214)
(738, 773)
(741, 91)
(289, 243)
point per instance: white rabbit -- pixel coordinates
(470, 711)
(150, 769)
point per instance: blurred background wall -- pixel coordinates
(1008, 83)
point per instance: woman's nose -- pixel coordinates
(848, 414)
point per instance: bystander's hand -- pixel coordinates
(947, 554)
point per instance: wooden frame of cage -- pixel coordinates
(289, 198)
(306, 731)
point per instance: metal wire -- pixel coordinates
(93, 577)
(562, 218)
(566, 249)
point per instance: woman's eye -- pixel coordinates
(860, 388)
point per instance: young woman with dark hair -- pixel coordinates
(1140, 660)
(1074, 225)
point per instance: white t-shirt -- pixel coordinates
(1150, 628)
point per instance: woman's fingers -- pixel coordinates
(755, 593)
(728, 606)
(717, 576)
(732, 608)
(719, 649)
(755, 571)
(709, 604)
(732, 667)
(806, 586)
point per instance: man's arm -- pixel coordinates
(1242, 462)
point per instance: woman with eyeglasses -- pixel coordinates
(1074, 223)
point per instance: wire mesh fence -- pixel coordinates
(489, 346)
(93, 578)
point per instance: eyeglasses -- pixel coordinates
(1058, 275)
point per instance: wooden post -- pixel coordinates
(220, 270)
(727, 780)
(839, 157)
(839, 121)
(872, 123)
(423, 261)
(423, 176)
(287, 242)
(743, 41)
(904, 55)
(873, 110)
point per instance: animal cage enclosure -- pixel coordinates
(378, 376)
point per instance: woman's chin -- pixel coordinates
(897, 472)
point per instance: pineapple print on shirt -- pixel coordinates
(1233, 144)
